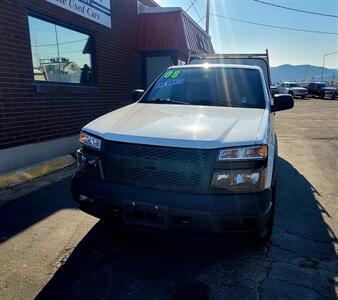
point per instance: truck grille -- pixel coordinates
(156, 166)
(156, 152)
(140, 176)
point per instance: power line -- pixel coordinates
(196, 11)
(274, 26)
(62, 52)
(331, 53)
(298, 10)
(201, 19)
(63, 43)
(191, 5)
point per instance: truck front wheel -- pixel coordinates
(262, 240)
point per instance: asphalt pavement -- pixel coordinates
(51, 250)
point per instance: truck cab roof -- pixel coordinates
(212, 65)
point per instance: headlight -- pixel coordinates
(239, 181)
(90, 141)
(243, 153)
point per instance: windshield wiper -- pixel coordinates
(161, 100)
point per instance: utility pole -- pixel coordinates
(207, 16)
(324, 56)
(323, 66)
(306, 72)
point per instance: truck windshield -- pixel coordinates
(292, 85)
(213, 86)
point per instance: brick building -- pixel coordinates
(66, 62)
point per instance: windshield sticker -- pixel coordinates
(168, 74)
(172, 74)
(175, 74)
(170, 82)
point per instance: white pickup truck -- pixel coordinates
(292, 88)
(196, 152)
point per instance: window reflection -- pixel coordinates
(60, 54)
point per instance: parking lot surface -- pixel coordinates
(49, 249)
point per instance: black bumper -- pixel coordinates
(173, 211)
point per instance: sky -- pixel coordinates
(285, 46)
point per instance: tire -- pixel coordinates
(303, 97)
(261, 241)
(322, 96)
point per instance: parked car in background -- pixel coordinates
(273, 90)
(292, 88)
(321, 90)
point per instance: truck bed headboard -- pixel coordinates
(260, 60)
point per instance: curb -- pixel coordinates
(29, 173)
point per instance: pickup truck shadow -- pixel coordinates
(299, 263)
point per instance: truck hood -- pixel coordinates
(329, 88)
(190, 126)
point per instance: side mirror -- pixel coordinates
(137, 94)
(282, 102)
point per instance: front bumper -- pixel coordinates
(330, 93)
(300, 93)
(173, 211)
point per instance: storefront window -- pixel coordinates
(60, 54)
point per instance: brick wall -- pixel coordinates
(27, 116)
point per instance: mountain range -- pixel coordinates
(302, 73)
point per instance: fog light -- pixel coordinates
(89, 164)
(83, 198)
(241, 180)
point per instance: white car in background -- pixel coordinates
(292, 88)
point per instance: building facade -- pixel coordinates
(67, 62)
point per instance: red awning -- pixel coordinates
(171, 29)
(149, 3)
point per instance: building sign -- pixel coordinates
(95, 10)
(204, 43)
